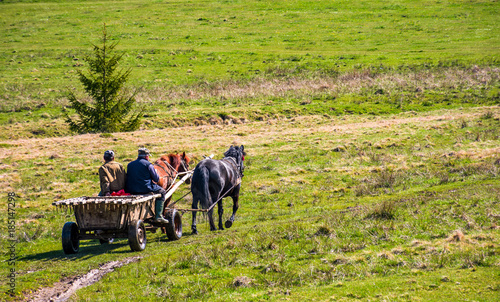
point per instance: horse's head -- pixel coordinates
(184, 160)
(238, 153)
(183, 164)
(175, 163)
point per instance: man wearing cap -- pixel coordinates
(111, 175)
(142, 179)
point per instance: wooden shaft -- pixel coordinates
(172, 190)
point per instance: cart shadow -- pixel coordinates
(87, 251)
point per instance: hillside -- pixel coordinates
(372, 132)
(391, 207)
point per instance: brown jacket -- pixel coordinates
(112, 177)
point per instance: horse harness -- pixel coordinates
(172, 173)
(234, 164)
(184, 164)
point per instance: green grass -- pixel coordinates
(371, 91)
(239, 61)
(182, 43)
(371, 128)
(375, 219)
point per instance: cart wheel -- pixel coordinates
(70, 238)
(137, 235)
(174, 226)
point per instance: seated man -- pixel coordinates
(142, 179)
(111, 175)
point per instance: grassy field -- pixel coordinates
(192, 43)
(395, 207)
(208, 62)
(372, 130)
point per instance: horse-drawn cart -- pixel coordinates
(109, 217)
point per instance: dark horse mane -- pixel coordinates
(233, 152)
(238, 155)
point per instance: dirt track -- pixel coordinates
(62, 291)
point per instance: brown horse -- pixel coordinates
(168, 168)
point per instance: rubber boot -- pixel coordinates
(159, 210)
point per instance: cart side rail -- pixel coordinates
(130, 199)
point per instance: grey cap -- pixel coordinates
(109, 154)
(143, 152)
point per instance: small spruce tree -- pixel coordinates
(109, 110)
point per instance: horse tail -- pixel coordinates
(206, 201)
(199, 184)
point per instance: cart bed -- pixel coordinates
(109, 212)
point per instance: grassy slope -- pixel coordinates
(171, 43)
(367, 91)
(206, 61)
(311, 222)
(312, 219)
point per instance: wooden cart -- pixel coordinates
(109, 217)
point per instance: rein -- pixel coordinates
(216, 202)
(169, 172)
(234, 164)
(220, 198)
(183, 163)
(212, 206)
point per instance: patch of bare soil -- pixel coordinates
(63, 290)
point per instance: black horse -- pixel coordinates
(215, 179)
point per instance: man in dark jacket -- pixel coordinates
(142, 179)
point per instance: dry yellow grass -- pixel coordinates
(352, 82)
(323, 133)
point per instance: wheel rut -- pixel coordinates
(63, 290)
